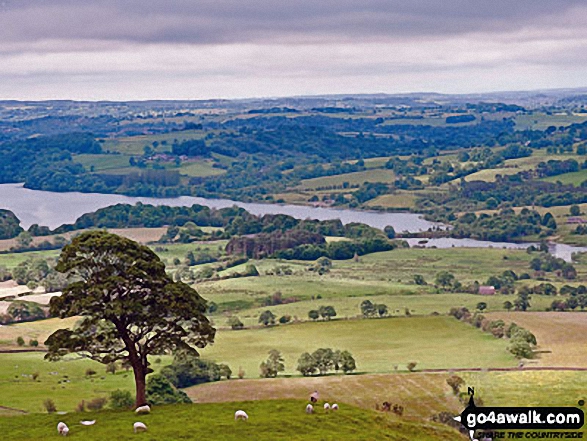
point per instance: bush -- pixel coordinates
(121, 399)
(189, 370)
(161, 391)
(90, 372)
(412, 366)
(96, 404)
(36, 376)
(111, 368)
(285, 319)
(33, 343)
(20, 341)
(235, 323)
(455, 382)
(273, 365)
(520, 348)
(241, 373)
(49, 405)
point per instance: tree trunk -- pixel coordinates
(140, 383)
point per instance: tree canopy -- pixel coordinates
(130, 307)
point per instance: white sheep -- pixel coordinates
(309, 408)
(326, 407)
(334, 406)
(143, 409)
(139, 427)
(241, 415)
(62, 428)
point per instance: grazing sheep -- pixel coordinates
(143, 409)
(309, 408)
(241, 415)
(314, 397)
(334, 406)
(62, 428)
(326, 407)
(139, 427)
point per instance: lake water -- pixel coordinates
(54, 209)
(556, 249)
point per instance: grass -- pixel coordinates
(64, 382)
(561, 336)
(103, 163)
(134, 145)
(513, 166)
(355, 178)
(200, 169)
(377, 344)
(574, 178)
(11, 260)
(421, 394)
(268, 421)
(398, 200)
(541, 121)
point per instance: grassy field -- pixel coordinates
(513, 166)
(268, 420)
(200, 169)
(102, 163)
(377, 344)
(134, 145)
(398, 200)
(574, 178)
(562, 336)
(421, 394)
(356, 178)
(541, 121)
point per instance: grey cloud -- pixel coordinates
(269, 21)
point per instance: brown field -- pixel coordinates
(421, 394)
(561, 336)
(141, 235)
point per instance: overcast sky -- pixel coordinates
(192, 49)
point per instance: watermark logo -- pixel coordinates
(475, 418)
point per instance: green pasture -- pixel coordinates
(355, 178)
(102, 163)
(200, 169)
(268, 421)
(10, 260)
(376, 344)
(574, 178)
(134, 145)
(541, 121)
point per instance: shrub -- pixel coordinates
(189, 370)
(412, 366)
(81, 406)
(161, 391)
(33, 343)
(455, 382)
(241, 373)
(96, 404)
(285, 319)
(121, 399)
(35, 375)
(520, 348)
(273, 365)
(49, 405)
(235, 323)
(90, 372)
(20, 341)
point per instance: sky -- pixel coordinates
(200, 49)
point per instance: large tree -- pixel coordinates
(130, 307)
